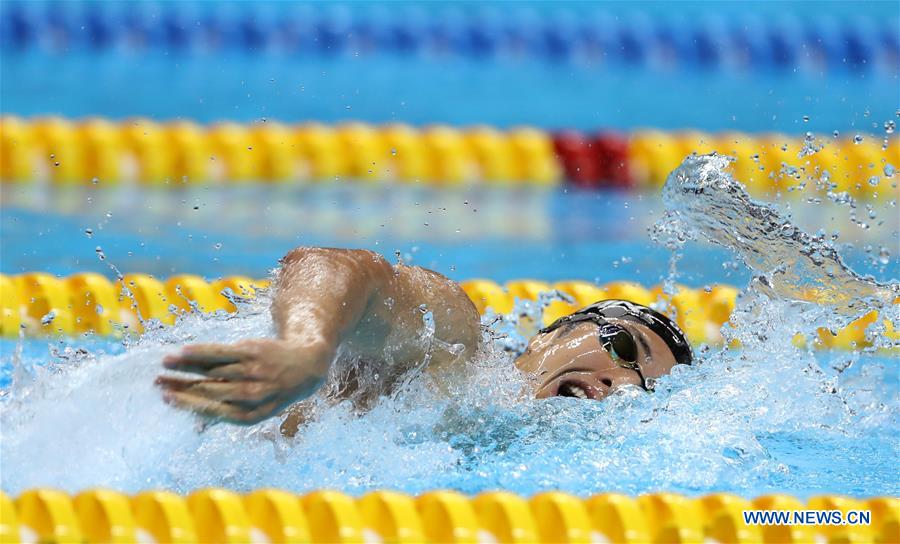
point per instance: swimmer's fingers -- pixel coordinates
(238, 392)
(217, 409)
(214, 354)
(235, 371)
(174, 384)
(210, 354)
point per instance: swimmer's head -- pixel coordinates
(604, 346)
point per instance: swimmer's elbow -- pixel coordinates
(302, 254)
(359, 265)
(294, 257)
(307, 254)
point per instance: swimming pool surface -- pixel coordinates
(748, 425)
(494, 233)
(767, 419)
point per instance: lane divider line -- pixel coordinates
(271, 515)
(40, 304)
(59, 152)
(778, 43)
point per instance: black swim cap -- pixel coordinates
(664, 327)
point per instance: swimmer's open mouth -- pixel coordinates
(576, 389)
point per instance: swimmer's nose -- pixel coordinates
(611, 379)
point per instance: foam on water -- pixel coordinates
(769, 416)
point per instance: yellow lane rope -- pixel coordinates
(63, 151)
(38, 303)
(269, 515)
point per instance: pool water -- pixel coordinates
(419, 92)
(495, 233)
(765, 418)
(744, 422)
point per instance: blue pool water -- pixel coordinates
(408, 90)
(768, 418)
(743, 423)
(465, 233)
(379, 88)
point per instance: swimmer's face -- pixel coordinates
(570, 360)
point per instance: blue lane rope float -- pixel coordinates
(780, 42)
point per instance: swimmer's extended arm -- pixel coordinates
(324, 298)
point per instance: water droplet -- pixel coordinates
(806, 118)
(48, 318)
(810, 146)
(874, 180)
(393, 151)
(884, 256)
(100, 254)
(836, 134)
(889, 170)
(890, 126)
(217, 246)
(89, 232)
(858, 139)
(99, 309)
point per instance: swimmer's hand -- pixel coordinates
(245, 382)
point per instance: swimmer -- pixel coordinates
(339, 304)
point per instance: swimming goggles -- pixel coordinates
(619, 342)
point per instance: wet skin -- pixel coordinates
(573, 356)
(354, 301)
